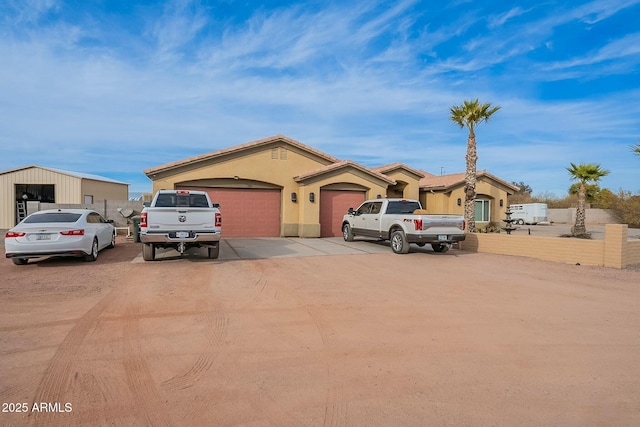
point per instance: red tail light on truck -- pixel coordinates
(218, 219)
(143, 220)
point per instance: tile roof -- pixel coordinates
(443, 182)
(343, 164)
(393, 166)
(241, 147)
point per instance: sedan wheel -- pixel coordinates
(113, 241)
(94, 252)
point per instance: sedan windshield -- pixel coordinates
(52, 217)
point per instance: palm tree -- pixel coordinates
(470, 114)
(584, 173)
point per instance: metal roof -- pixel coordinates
(66, 172)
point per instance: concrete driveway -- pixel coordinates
(283, 247)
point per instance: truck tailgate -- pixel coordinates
(440, 224)
(180, 219)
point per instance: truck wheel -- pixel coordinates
(214, 252)
(440, 247)
(347, 234)
(421, 244)
(399, 244)
(19, 261)
(148, 252)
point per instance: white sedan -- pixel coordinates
(59, 232)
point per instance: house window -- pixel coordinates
(274, 153)
(283, 154)
(483, 210)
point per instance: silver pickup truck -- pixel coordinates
(180, 219)
(403, 222)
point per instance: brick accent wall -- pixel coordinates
(614, 251)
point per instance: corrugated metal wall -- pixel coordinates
(67, 189)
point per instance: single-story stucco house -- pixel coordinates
(280, 187)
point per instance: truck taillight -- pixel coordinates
(218, 219)
(464, 224)
(143, 220)
(418, 224)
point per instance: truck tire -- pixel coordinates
(214, 252)
(399, 243)
(347, 234)
(148, 252)
(440, 247)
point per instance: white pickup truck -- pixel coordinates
(403, 222)
(180, 219)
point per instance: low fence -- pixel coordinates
(616, 250)
(592, 216)
(107, 208)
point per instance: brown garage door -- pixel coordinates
(333, 205)
(247, 212)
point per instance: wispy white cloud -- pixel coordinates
(499, 20)
(357, 80)
(627, 46)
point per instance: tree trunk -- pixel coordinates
(579, 229)
(470, 183)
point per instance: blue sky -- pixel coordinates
(114, 87)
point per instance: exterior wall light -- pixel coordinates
(501, 203)
(379, 196)
(459, 201)
(294, 197)
(312, 197)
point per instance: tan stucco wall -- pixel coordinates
(614, 251)
(412, 189)
(350, 179)
(440, 202)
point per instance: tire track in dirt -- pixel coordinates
(56, 379)
(139, 376)
(215, 330)
(335, 405)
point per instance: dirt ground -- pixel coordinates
(375, 339)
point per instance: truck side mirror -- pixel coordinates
(351, 211)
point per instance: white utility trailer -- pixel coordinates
(529, 213)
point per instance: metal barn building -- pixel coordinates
(48, 185)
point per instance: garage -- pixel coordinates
(247, 212)
(333, 205)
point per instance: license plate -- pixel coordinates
(182, 234)
(43, 236)
(443, 237)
